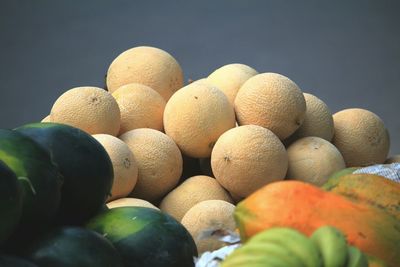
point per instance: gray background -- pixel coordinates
(345, 52)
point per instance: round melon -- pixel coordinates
(39, 178)
(84, 164)
(146, 237)
(192, 191)
(73, 247)
(204, 114)
(361, 137)
(313, 160)
(10, 201)
(273, 101)
(146, 65)
(206, 220)
(130, 202)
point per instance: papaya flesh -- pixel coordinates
(306, 207)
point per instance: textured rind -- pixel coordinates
(159, 161)
(124, 165)
(90, 109)
(192, 191)
(313, 160)
(196, 116)
(146, 65)
(273, 101)
(140, 106)
(209, 215)
(229, 78)
(248, 157)
(318, 120)
(361, 137)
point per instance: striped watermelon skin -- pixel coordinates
(10, 201)
(73, 247)
(84, 164)
(39, 178)
(146, 237)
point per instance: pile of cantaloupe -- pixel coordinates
(241, 128)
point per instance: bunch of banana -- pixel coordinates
(286, 247)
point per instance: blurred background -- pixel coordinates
(345, 52)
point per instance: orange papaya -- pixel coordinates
(371, 189)
(306, 207)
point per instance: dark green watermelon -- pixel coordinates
(84, 164)
(10, 201)
(146, 237)
(38, 176)
(73, 247)
(12, 261)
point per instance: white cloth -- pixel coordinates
(390, 171)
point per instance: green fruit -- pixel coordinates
(84, 164)
(39, 177)
(10, 201)
(375, 262)
(73, 247)
(332, 244)
(11, 261)
(356, 258)
(294, 241)
(334, 178)
(261, 253)
(146, 237)
(239, 259)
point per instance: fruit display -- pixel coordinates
(39, 180)
(130, 202)
(125, 168)
(82, 161)
(10, 201)
(363, 188)
(313, 159)
(155, 171)
(206, 218)
(191, 192)
(361, 137)
(305, 207)
(145, 237)
(281, 246)
(73, 246)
